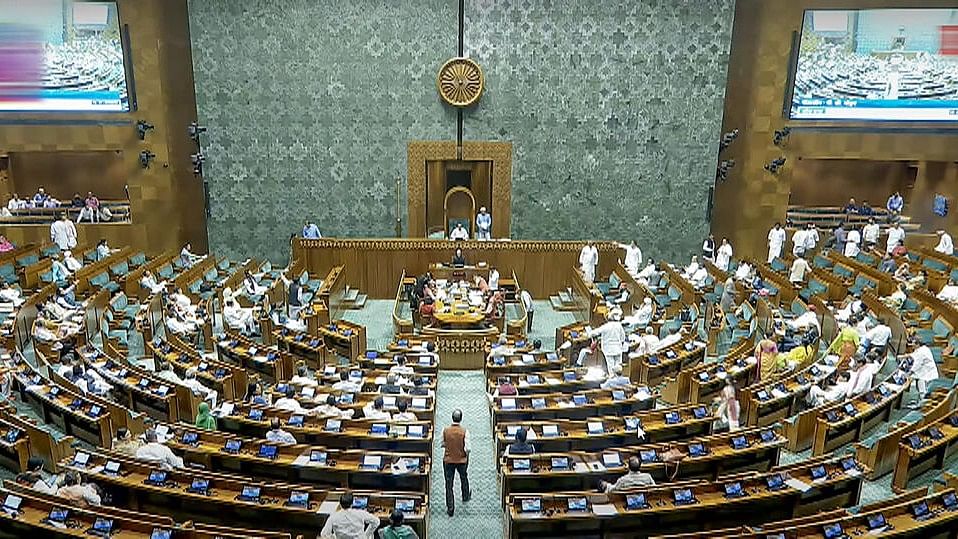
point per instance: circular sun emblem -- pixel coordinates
(460, 82)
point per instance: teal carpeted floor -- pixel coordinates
(482, 515)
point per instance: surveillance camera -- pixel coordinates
(781, 136)
(142, 127)
(146, 157)
(195, 130)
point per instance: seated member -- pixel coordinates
(348, 522)
(521, 446)
(458, 259)
(634, 478)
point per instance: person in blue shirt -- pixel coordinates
(895, 203)
(851, 207)
(311, 231)
(59, 270)
(40, 198)
(483, 225)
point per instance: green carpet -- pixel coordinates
(482, 515)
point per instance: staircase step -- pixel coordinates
(351, 295)
(565, 298)
(357, 303)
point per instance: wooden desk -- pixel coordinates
(345, 338)
(561, 471)
(351, 434)
(854, 417)
(937, 441)
(228, 379)
(651, 369)
(559, 405)
(303, 346)
(130, 490)
(272, 365)
(759, 504)
(617, 431)
(343, 468)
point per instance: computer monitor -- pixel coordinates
(58, 514)
(12, 502)
(157, 477)
(103, 526)
(682, 496)
(95, 410)
(250, 492)
(511, 430)
(189, 438)
(299, 498)
(372, 462)
(833, 531)
(111, 467)
(296, 420)
(579, 503)
(569, 376)
(232, 446)
(767, 436)
(762, 395)
(521, 465)
(416, 431)
(648, 455)
(538, 403)
(530, 505)
(877, 522)
(160, 533)
(672, 418)
(595, 427)
(739, 442)
(611, 459)
(697, 450)
(618, 395)
(379, 429)
(560, 463)
(81, 459)
(950, 501)
(550, 431)
(406, 505)
(635, 501)
(920, 509)
(818, 472)
(935, 433)
(734, 490)
(360, 502)
(317, 457)
(774, 482)
(700, 412)
(333, 425)
(579, 400)
(914, 441)
(850, 409)
(848, 464)
(255, 414)
(201, 486)
(267, 451)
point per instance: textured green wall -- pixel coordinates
(613, 107)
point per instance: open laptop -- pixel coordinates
(250, 493)
(683, 496)
(298, 499)
(199, 486)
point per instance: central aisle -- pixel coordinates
(482, 516)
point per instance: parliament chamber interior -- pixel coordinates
(484, 268)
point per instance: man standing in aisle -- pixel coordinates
(483, 225)
(945, 245)
(530, 307)
(633, 257)
(776, 239)
(455, 459)
(588, 260)
(870, 233)
(64, 233)
(896, 235)
(612, 339)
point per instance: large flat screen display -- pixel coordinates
(61, 55)
(877, 64)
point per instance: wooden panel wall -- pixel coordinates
(830, 182)
(66, 173)
(375, 266)
(747, 205)
(167, 201)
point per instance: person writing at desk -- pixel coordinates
(458, 259)
(635, 478)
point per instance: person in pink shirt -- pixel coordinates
(91, 208)
(5, 245)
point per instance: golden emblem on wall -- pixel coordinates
(460, 82)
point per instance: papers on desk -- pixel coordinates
(642, 393)
(523, 383)
(528, 359)
(604, 509)
(751, 360)
(595, 466)
(581, 467)
(778, 393)
(225, 410)
(722, 375)
(380, 380)
(251, 351)
(798, 485)
(552, 381)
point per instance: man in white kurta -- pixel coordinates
(948, 293)
(798, 242)
(870, 233)
(852, 243)
(64, 233)
(633, 257)
(612, 340)
(588, 260)
(776, 239)
(945, 245)
(896, 235)
(724, 255)
(923, 368)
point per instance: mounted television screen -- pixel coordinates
(877, 64)
(58, 55)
